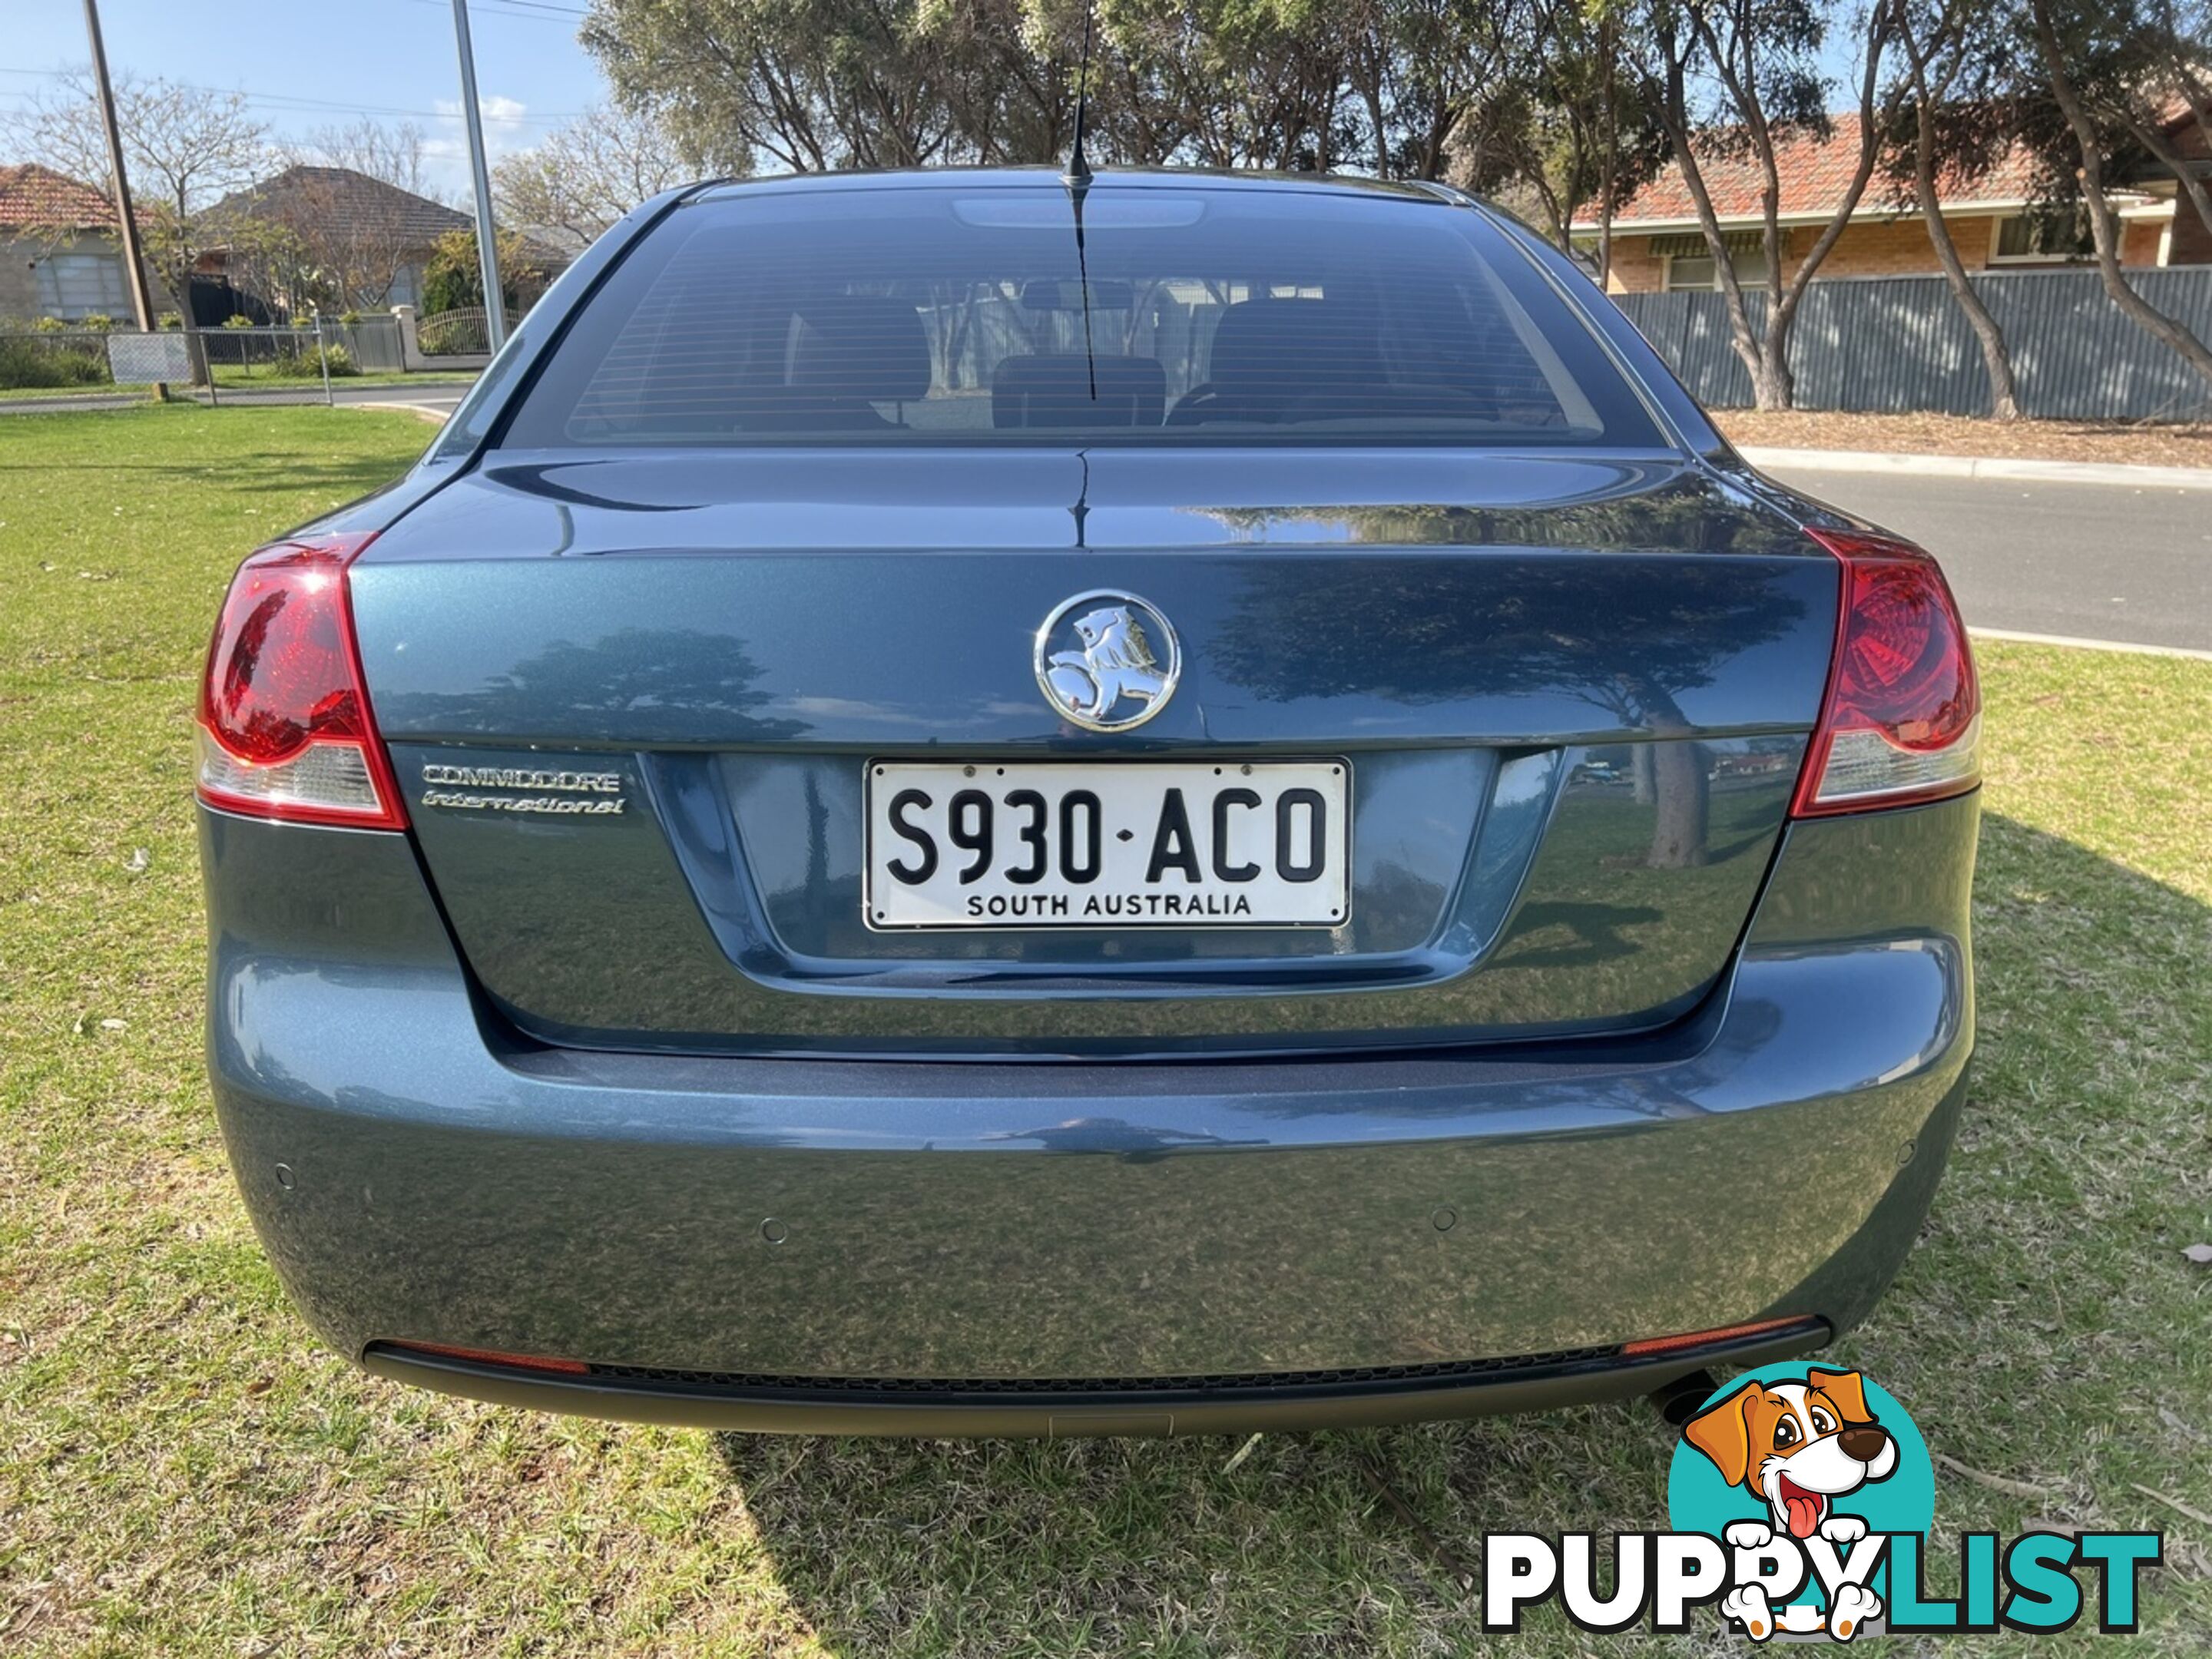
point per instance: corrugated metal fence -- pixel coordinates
(373, 342)
(1895, 345)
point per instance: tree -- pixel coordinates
(1009, 76)
(1761, 60)
(1430, 78)
(1957, 126)
(1245, 83)
(2174, 40)
(2111, 69)
(453, 277)
(186, 149)
(1565, 125)
(807, 84)
(831, 83)
(394, 154)
(588, 174)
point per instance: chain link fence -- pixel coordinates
(309, 354)
(272, 354)
(54, 360)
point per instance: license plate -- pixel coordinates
(1109, 844)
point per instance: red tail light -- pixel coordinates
(1652, 1344)
(1902, 722)
(521, 1362)
(285, 730)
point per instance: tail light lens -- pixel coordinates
(521, 1362)
(1902, 722)
(285, 730)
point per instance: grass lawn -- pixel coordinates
(15, 394)
(184, 1471)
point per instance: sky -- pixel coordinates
(309, 64)
(320, 64)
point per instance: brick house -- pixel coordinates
(2191, 242)
(367, 239)
(59, 255)
(1657, 245)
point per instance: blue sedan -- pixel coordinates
(969, 803)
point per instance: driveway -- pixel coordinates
(2094, 562)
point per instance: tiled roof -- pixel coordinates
(302, 195)
(1815, 177)
(33, 197)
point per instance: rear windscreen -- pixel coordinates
(944, 313)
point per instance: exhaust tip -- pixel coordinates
(1677, 1401)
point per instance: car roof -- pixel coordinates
(1104, 180)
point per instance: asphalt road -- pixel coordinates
(2098, 562)
(441, 395)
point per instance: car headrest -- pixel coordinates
(1286, 346)
(864, 347)
(1053, 389)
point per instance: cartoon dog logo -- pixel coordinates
(1798, 1446)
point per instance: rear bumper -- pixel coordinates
(1160, 1407)
(826, 1246)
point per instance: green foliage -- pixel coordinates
(97, 323)
(236, 320)
(52, 325)
(1380, 84)
(313, 360)
(26, 361)
(452, 277)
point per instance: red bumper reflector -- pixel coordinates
(1652, 1344)
(527, 1362)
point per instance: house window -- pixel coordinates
(73, 285)
(1691, 267)
(2044, 237)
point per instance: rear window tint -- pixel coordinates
(968, 314)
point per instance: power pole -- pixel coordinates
(134, 260)
(487, 249)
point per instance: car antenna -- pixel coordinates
(1078, 181)
(1078, 176)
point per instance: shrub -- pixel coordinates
(97, 322)
(25, 362)
(453, 280)
(52, 325)
(312, 359)
(234, 320)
